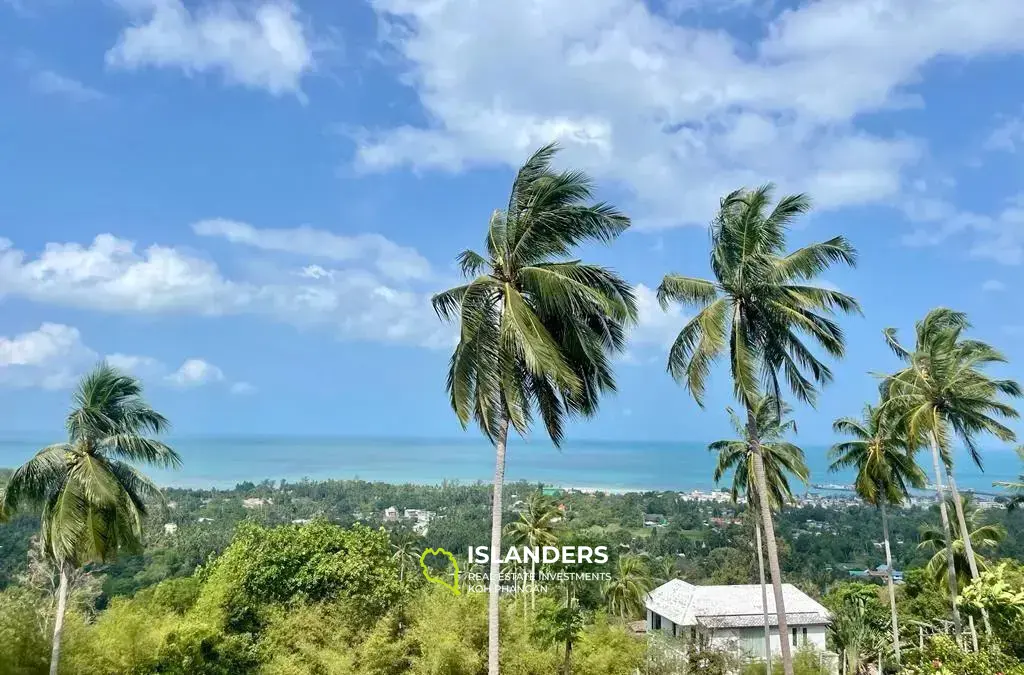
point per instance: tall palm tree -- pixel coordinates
(92, 499)
(780, 458)
(885, 473)
(758, 309)
(943, 392)
(626, 591)
(983, 537)
(1016, 487)
(405, 551)
(538, 328)
(535, 528)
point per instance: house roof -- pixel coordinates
(730, 606)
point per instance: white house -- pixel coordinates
(732, 617)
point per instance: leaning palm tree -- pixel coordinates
(626, 591)
(758, 310)
(538, 328)
(885, 473)
(780, 458)
(534, 529)
(983, 536)
(943, 392)
(1016, 487)
(91, 497)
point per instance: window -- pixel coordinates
(693, 633)
(804, 633)
(794, 637)
(657, 622)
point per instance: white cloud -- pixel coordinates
(113, 275)
(195, 372)
(993, 286)
(998, 237)
(50, 357)
(143, 367)
(390, 259)
(655, 327)
(676, 115)
(54, 357)
(1008, 136)
(242, 388)
(52, 83)
(260, 46)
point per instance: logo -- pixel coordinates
(454, 586)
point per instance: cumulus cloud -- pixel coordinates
(114, 275)
(676, 115)
(993, 286)
(242, 388)
(390, 259)
(54, 357)
(260, 46)
(195, 372)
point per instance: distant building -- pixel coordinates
(170, 528)
(301, 521)
(390, 514)
(204, 520)
(732, 617)
(655, 520)
(879, 572)
(551, 491)
(256, 502)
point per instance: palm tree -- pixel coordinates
(535, 528)
(92, 499)
(1016, 487)
(757, 310)
(780, 458)
(943, 392)
(405, 551)
(983, 536)
(537, 327)
(626, 591)
(885, 473)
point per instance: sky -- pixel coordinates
(248, 203)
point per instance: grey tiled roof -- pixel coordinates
(685, 605)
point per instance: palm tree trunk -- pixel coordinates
(764, 601)
(501, 439)
(950, 564)
(891, 584)
(58, 622)
(533, 585)
(769, 537)
(965, 536)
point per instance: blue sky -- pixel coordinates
(248, 204)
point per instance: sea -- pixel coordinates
(223, 462)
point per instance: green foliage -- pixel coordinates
(315, 562)
(805, 662)
(24, 640)
(942, 656)
(1000, 592)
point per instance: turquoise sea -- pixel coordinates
(225, 461)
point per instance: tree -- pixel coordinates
(757, 310)
(562, 625)
(943, 392)
(885, 473)
(1016, 487)
(537, 327)
(535, 528)
(405, 551)
(92, 498)
(779, 457)
(626, 591)
(983, 536)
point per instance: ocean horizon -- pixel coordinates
(224, 461)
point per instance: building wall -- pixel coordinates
(749, 640)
